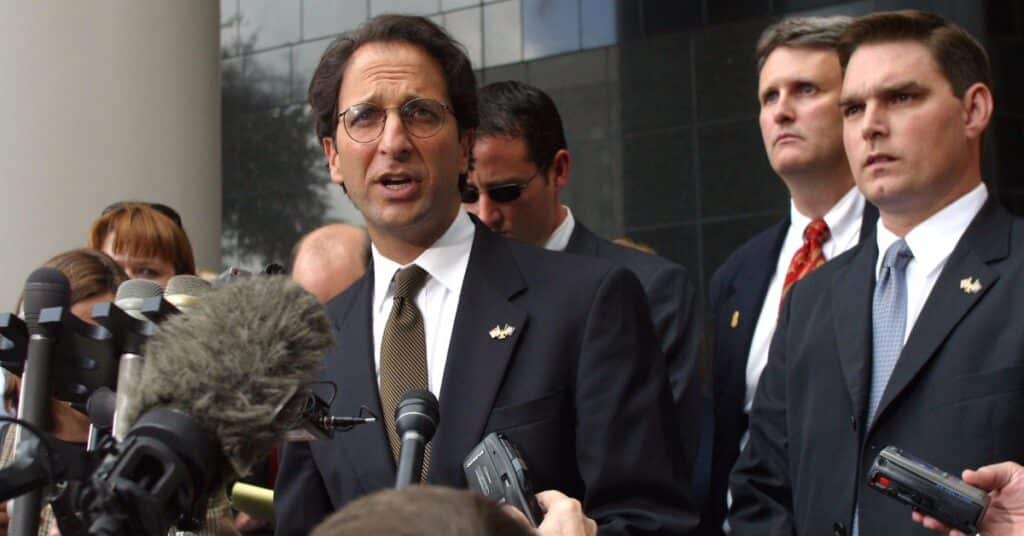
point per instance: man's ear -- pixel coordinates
(332, 161)
(466, 151)
(558, 172)
(978, 106)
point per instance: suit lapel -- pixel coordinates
(985, 241)
(356, 378)
(477, 359)
(852, 288)
(746, 294)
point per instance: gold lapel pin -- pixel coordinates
(502, 333)
(970, 285)
(735, 319)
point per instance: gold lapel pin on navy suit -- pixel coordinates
(970, 285)
(502, 332)
(735, 319)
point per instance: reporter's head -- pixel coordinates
(147, 240)
(422, 511)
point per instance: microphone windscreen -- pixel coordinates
(241, 355)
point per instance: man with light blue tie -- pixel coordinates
(913, 338)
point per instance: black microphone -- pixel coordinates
(219, 387)
(45, 288)
(100, 408)
(416, 420)
(13, 343)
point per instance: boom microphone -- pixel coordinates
(45, 287)
(227, 379)
(416, 419)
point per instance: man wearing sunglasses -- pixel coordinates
(557, 354)
(521, 164)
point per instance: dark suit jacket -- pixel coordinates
(738, 288)
(580, 387)
(672, 300)
(953, 399)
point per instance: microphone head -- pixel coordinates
(100, 407)
(417, 412)
(185, 291)
(137, 288)
(241, 355)
(45, 287)
(132, 293)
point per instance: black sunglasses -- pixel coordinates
(501, 193)
(159, 207)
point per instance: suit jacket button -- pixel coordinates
(838, 529)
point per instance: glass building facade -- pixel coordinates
(658, 98)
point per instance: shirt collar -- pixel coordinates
(559, 239)
(445, 260)
(933, 240)
(840, 218)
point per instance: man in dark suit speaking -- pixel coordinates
(521, 164)
(556, 353)
(913, 338)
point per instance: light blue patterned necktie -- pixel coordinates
(888, 324)
(888, 320)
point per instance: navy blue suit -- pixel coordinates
(673, 302)
(738, 289)
(580, 386)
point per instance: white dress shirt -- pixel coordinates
(559, 239)
(844, 220)
(445, 262)
(931, 242)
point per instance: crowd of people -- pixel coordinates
(878, 312)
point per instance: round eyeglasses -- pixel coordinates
(364, 122)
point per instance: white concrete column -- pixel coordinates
(102, 101)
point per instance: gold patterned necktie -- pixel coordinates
(403, 352)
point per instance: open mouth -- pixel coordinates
(395, 182)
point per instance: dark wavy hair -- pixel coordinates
(962, 60)
(417, 31)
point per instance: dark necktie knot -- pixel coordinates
(817, 232)
(409, 281)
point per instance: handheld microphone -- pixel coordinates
(185, 291)
(130, 297)
(416, 420)
(100, 407)
(132, 293)
(45, 288)
(219, 387)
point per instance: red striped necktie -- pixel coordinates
(809, 256)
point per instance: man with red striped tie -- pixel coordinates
(799, 79)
